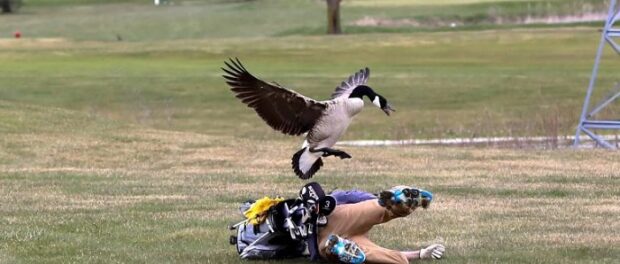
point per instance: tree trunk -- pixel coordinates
(6, 6)
(10, 6)
(333, 17)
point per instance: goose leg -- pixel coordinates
(332, 152)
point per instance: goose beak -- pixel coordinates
(387, 109)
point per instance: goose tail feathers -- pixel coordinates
(306, 164)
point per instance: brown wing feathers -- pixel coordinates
(282, 109)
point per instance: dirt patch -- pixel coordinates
(589, 17)
(32, 42)
(369, 21)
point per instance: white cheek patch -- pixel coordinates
(377, 102)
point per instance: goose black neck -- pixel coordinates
(362, 90)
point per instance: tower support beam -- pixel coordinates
(586, 124)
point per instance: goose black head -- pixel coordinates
(375, 98)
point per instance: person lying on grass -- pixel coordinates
(329, 227)
(345, 237)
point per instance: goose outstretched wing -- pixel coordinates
(284, 110)
(347, 86)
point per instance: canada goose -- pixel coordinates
(294, 114)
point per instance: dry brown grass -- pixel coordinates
(183, 187)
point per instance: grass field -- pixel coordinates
(478, 83)
(83, 189)
(134, 151)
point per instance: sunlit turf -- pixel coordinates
(121, 143)
(78, 189)
(141, 21)
(466, 84)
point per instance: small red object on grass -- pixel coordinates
(17, 34)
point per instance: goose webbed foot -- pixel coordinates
(342, 155)
(332, 152)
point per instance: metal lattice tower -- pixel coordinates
(586, 122)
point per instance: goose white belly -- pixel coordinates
(332, 125)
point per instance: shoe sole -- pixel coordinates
(332, 240)
(411, 198)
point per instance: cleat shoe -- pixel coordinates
(425, 198)
(346, 250)
(404, 195)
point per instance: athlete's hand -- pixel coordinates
(434, 251)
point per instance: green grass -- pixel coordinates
(442, 84)
(141, 21)
(135, 151)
